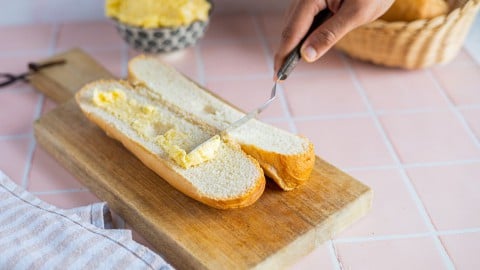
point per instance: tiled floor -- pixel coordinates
(413, 136)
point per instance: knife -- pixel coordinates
(290, 62)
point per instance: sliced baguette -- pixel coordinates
(286, 158)
(230, 180)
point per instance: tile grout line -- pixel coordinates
(59, 191)
(407, 181)
(334, 255)
(16, 53)
(288, 116)
(280, 90)
(15, 136)
(440, 163)
(333, 116)
(32, 145)
(466, 48)
(262, 75)
(38, 111)
(27, 89)
(453, 109)
(383, 237)
(330, 116)
(468, 107)
(200, 65)
(54, 40)
(362, 239)
(414, 165)
(124, 61)
(239, 77)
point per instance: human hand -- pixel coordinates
(347, 15)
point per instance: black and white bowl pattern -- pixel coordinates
(163, 39)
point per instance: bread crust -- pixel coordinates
(288, 171)
(162, 167)
(411, 10)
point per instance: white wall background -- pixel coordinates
(32, 11)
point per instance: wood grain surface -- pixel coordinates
(277, 230)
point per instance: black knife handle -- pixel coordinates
(295, 55)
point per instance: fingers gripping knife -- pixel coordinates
(286, 68)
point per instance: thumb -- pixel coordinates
(325, 36)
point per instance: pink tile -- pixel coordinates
(393, 210)
(91, 34)
(48, 105)
(322, 94)
(26, 37)
(18, 63)
(185, 61)
(47, 174)
(230, 27)
(450, 194)
(13, 157)
(429, 137)
(352, 142)
(472, 116)
(273, 43)
(415, 253)
(319, 258)
(461, 84)
(234, 59)
(463, 249)
(272, 24)
(17, 111)
(401, 90)
(66, 200)
(248, 95)
(111, 59)
(363, 69)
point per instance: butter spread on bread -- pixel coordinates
(229, 179)
(175, 143)
(286, 158)
(146, 121)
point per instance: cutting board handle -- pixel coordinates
(60, 83)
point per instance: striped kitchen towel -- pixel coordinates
(37, 235)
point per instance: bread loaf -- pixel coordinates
(132, 115)
(410, 10)
(286, 158)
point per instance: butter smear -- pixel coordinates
(149, 124)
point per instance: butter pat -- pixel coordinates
(103, 98)
(149, 124)
(158, 13)
(173, 142)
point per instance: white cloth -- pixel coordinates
(37, 235)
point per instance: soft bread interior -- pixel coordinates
(231, 179)
(285, 157)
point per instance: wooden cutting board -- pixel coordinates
(277, 230)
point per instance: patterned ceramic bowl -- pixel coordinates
(162, 39)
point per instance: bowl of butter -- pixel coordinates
(159, 26)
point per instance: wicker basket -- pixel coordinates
(412, 45)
